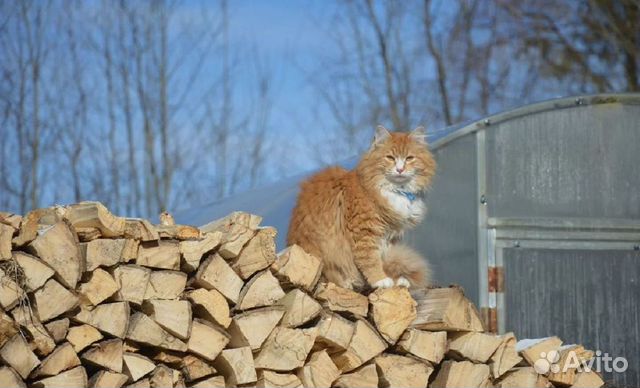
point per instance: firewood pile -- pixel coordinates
(92, 299)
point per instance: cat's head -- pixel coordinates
(400, 159)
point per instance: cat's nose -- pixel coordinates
(399, 170)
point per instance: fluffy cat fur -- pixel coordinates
(353, 220)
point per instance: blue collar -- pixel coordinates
(409, 195)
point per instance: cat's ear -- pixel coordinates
(419, 134)
(382, 133)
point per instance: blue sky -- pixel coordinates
(292, 35)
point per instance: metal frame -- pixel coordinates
(456, 131)
(555, 233)
(495, 234)
(483, 240)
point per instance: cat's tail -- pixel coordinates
(401, 260)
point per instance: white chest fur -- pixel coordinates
(411, 210)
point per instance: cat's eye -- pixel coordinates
(409, 158)
(390, 157)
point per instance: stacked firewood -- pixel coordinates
(92, 299)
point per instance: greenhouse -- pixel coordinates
(535, 212)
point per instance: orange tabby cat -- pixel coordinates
(352, 220)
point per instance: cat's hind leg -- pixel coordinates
(406, 266)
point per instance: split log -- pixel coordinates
(250, 221)
(210, 305)
(53, 300)
(165, 285)
(145, 330)
(136, 366)
(271, 379)
(87, 234)
(588, 379)
(130, 250)
(401, 371)
(237, 229)
(6, 235)
(252, 328)
(141, 230)
(296, 268)
(531, 349)
(103, 252)
(132, 281)
(445, 309)
(392, 310)
(476, 347)
(194, 368)
(107, 379)
(285, 349)
(61, 359)
(233, 240)
(300, 308)
(258, 254)
(29, 226)
(41, 341)
(36, 272)
(334, 332)
(319, 371)
(461, 374)
(58, 329)
(163, 255)
(366, 376)
(17, 354)
(110, 318)
(522, 377)
(214, 272)
(505, 357)
(569, 358)
(194, 250)
(178, 232)
(262, 290)
(8, 328)
(10, 379)
(172, 315)
(57, 246)
(95, 215)
(236, 365)
(210, 382)
(162, 376)
(340, 299)
(98, 288)
(82, 336)
(76, 377)
(105, 354)
(206, 340)
(10, 292)
(170, 358)
(365, 344)
(10, 219)
(426, 345)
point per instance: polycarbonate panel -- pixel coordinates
(448, 235)
(582, 161)
(583, 297)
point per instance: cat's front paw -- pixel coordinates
(383, 283)
(403, 282)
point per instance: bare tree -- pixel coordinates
(108, 99)
(590, 45)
